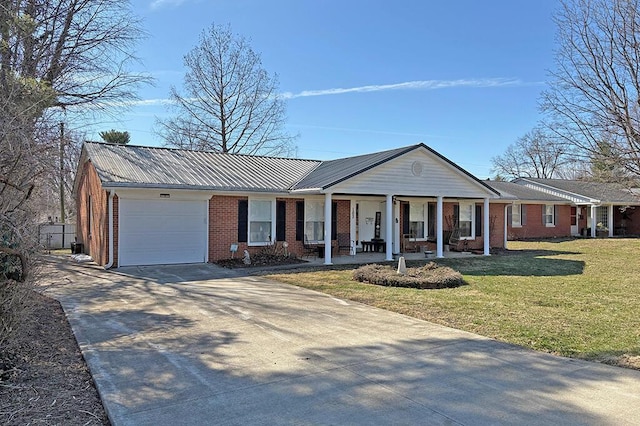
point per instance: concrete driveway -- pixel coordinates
(178, 345)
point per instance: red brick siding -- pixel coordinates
(96, 239)
(223, 226)
(535, 228)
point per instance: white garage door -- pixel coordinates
(153, 232)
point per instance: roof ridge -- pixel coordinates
(169, 148)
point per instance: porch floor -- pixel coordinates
(364, 258)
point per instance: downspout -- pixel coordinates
(110, 212)
(506, 230)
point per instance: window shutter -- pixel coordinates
(509, 215)
(478, 220)
(544, 212)
(299, 220)
(243, 220)
(405, 218)
(555, 214)
(334, 220)
(456, 215)
(281, 220)
(523, 214)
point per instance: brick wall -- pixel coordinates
(223, 226)
(535, 228)
(92, 232)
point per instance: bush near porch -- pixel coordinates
(577, 298)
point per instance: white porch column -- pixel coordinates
(389, 228)
(396, 228)
(439, 242)
(485, 232)
(593, 221)
(352, 229)
(327, 229)
(610, 220)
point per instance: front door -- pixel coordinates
(574, 221)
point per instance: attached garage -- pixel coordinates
(162, 231)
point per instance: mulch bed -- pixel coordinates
(44, 379)
(259, 260)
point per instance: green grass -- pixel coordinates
(577, 298)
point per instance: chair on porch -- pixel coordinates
(455, 241)
(308, 248)
(344, 242)
(409, 244)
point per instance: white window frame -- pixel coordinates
(423, 217)
(307, 219)
(546, 215)
(602, 218)
(472, 210)
(272, 231)
(516, 211)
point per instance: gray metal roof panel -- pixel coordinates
(125, 165)
(330, 172)
(515, 192)
(604, 192)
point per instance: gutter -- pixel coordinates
(109, 265)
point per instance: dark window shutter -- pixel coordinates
(478, 220)
(405, 218)
(523, 214)
(334, 220)
(299, 220)
(544, 212)
(509, 215)
(555, 214)
(243, 220)
(281, 220)
(456, 215)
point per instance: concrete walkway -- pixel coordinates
(197, 345)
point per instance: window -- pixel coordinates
(466, 222)
(602, 218)
(260, 221)
(314, 220)
(548, 217)
(516, 215)
(416, 220)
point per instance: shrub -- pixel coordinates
(429, 276)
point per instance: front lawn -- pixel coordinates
(577, 298)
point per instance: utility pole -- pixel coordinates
(62, 214)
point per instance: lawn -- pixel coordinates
(577, 298)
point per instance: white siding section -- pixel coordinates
(153, 232)
(417, 173)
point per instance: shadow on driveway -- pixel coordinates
(245, 350)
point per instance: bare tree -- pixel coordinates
(594, 97)
(536, 154)
(230, 103)
(55, 55)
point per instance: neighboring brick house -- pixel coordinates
(143, 205)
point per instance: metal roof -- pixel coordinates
(514, 192)
(331, 172)
(596, 191)
(139, 166)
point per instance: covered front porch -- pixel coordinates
(363, 258)
(378, 226)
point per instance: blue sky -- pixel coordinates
(462, 76)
